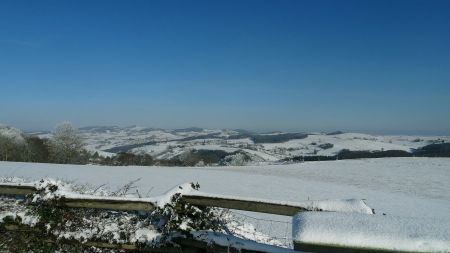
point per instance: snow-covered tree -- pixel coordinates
(12, 143)
(66, 144)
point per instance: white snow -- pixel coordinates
(146, 235)
(164, 199)
(67, 191)
(237, 243)
(403, 187)
(331, 205)
(412, 187)
(373, 231)
(350, 141)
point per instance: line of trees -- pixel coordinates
(64, 146)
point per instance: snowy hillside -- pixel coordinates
(167, 144)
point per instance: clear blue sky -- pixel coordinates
(372, 66)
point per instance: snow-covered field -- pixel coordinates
(398, 187)
(411, 187)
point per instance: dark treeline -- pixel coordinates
(32, 149)
(347, 154)
(188, 158)
(37, 150)
(124, 159)
(65, 146)
(432, 150)
(270, 138)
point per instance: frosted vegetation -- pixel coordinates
(45, 225)
(69, 228)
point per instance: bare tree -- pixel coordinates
(66, 144)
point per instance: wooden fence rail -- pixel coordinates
(194, 198)
(142, 204)
(139, 204)
(260, 206)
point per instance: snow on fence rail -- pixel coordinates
(344, 226)
(75, 200)
(199, 199)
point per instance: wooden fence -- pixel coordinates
(138, 204)
(142, 204)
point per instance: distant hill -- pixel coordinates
(197, 146)
(268, 147)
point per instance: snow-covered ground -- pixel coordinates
(398, 187)
(411, 187)
(373, 231)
